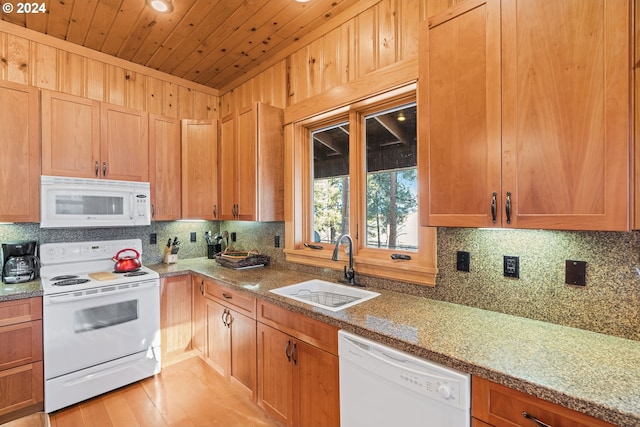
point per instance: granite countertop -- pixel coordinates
(15, 291)
(592, 373)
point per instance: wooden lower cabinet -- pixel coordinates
(176, 318)
(199, 315)
(230, 332)
(298, 383)
(21, 368)
(501, 406)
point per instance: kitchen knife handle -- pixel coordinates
(535, 420)
(494, 207)
(507, 207)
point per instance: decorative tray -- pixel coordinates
(231, 258)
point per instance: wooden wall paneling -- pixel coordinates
(200, 105)
(298, 87)
(70, 73)
(45, 66)
(170, 98)
(185, 103)
(4, 62)
(226, 103)
(245, 95)
(277, 85)
(409, 17)
(436, 6)
(136, 90)
(94, 79)
(155, 95)
(314, 69)
(366, 41)
(330, 63)
(348, 50)
(17, 59)
(115, 85)
(387, 31)
(80, 21)
(636, 118)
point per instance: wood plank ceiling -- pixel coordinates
(211, 42)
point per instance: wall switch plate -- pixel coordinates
(193, 236)
(463, 261)
(233, 236)
(575, 272)
(153, 238)
(511, 266)
(276, 241)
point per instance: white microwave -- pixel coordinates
(83, 202)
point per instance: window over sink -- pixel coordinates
(355, 170)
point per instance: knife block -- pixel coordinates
(168, 257)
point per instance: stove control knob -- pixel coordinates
(444, 391)
(61, 251)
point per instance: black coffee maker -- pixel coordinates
(20, 261)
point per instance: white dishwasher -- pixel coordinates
(381, 386)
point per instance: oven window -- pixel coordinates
(105, 316)
(89, 205)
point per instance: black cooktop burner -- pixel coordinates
(136, 273)
(65, 277)
(70, 282)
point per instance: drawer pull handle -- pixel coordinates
(227, 296)
(535, 420)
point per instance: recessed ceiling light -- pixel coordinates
(163, 6)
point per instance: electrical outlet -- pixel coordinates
(233, 236)
(276, 241)
(511, 266)
(193, 236)
(153, 238)
(575, 272)
(463, 261)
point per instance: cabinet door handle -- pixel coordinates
(535, 420)
(224, 315)
(202, 287)
(494, 207)
(293, 354)
(227, 296)
(97, 168)
(229, 319)
(153, 210)
(215, 211)
(104, 168)
(507, 207)
(286, 351)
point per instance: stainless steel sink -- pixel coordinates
(328, 295)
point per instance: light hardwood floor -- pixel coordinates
(185, 394)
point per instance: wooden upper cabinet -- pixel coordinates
(70, 135)
(165, 167)
(530, 109)
(199, 169)
(20, 159)
(124, 143)
(252, 164)
(87, 139)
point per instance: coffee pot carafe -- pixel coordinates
(20, 261)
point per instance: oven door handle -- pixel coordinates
(75, 297)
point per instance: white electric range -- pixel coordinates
(101, 329)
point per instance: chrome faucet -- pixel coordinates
(349, 274)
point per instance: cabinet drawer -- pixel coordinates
(231, 298)
(501, 406)
(20, 344)
(312, 331)
(22, 310)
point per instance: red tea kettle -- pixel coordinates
(125, 264)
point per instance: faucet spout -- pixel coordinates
(349, 274)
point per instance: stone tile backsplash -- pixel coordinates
(609, 303)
